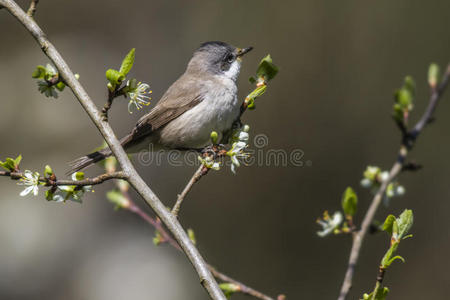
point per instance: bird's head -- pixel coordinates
(218, 58)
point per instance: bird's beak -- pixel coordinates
(241, 52)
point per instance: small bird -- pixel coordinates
(202, 100)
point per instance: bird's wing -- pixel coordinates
(177, 100)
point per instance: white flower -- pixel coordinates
(366, 182)
(329, 224)
(138, 96)
(394, 189)
(400, 190)
(240, 135)
(384, 176)
(235, 153)
(31, 180)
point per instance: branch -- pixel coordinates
(32, 9)
(53, 182)
(408, 142)
(130, 173)
(111, 96)
(201, 171)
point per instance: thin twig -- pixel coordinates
(201, 171)
(408, 142)
(53, 182)
(111, 96)
(32, 9)
(169, 220)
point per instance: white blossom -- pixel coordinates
(329, 224)
(139, 96)
(31, 180)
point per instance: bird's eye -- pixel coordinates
(230, 58)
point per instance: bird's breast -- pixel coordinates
(217, 112)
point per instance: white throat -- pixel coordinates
(233, 72)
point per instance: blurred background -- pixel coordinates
(340, 62)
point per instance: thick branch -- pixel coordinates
(171, 222)
(408, 142)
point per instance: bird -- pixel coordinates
(203, 99)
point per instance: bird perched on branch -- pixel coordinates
(202, 100)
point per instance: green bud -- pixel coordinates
(60, 86)
(48, 171)
(114, 77)
(433, 75)
(349, 202)
(191, 236)
(79, 175)
(158, 239)
(214, 137)
(111, 87)
(229, 288)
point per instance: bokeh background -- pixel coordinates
(340, 62)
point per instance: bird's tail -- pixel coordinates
(88, 160)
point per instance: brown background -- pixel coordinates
(340, 62)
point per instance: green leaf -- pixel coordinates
(380, 294)
(11, 164)
(405, 222)
(433, 75)
(386, 261)
(257, 92)
(252, 80)
(349, 202)
(17, 161)
(39, 72)
(395, 258)
(388, 223)
(127, 62)
(114, 77)
(267, 69)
